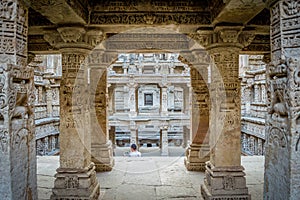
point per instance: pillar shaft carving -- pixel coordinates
(17, 139)
(224, 173)
(164, 140)
(76, 176)
(282, 157)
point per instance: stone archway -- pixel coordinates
(103, 56)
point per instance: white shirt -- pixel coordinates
(135, 154)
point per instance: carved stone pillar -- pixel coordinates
(282, 148)
(198, 151)
(17, 139)
(164, 101)
(164, 141)
(224, 176)
(49, 100)
(102, 149)
(76, 176)
(256, 93)
(186, 136)
(132, 99)
(133, 133)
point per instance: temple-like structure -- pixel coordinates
(209, 36)
(149, 100)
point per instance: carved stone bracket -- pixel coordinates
(74, 37)
(223, 36)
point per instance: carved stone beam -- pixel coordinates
(74, 37)
(238, 11)
(61, 11)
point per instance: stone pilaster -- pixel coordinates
(49, 99)
(132, 98)
(164, 101)
(102, 149)
(133, 133)
(197, 152)
(17, 139)
(256, 93)
(186, 136)
(164, 141)
(76, 176)
(282, 156)
(224, 176)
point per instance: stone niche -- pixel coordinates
(175, 98)
(148, 99)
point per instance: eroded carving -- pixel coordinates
(229, 183)
(4, 140)
(71, 182)
(277, 137)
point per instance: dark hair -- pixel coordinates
(133, 146)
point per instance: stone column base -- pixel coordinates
(224, 183)
(196, 156)
(102, 156)
(76, 184)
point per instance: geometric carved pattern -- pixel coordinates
(13, 37)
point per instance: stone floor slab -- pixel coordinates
(150, 178)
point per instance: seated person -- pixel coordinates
(134, 152)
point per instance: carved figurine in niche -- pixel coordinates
(9, 10)
(294, 68)
(22, 108)
(277, 88)
(278, 106)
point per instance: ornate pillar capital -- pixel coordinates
(224, 37)
(74, 37)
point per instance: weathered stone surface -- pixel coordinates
(224, 173)
(76, 176)
(166, 176)
(282, 123)
(47, 76)
(102, 149)
(253, 104)
(17, 137)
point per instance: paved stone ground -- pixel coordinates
(150, 178)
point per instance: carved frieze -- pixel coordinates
(151, 18)
(13, 38)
